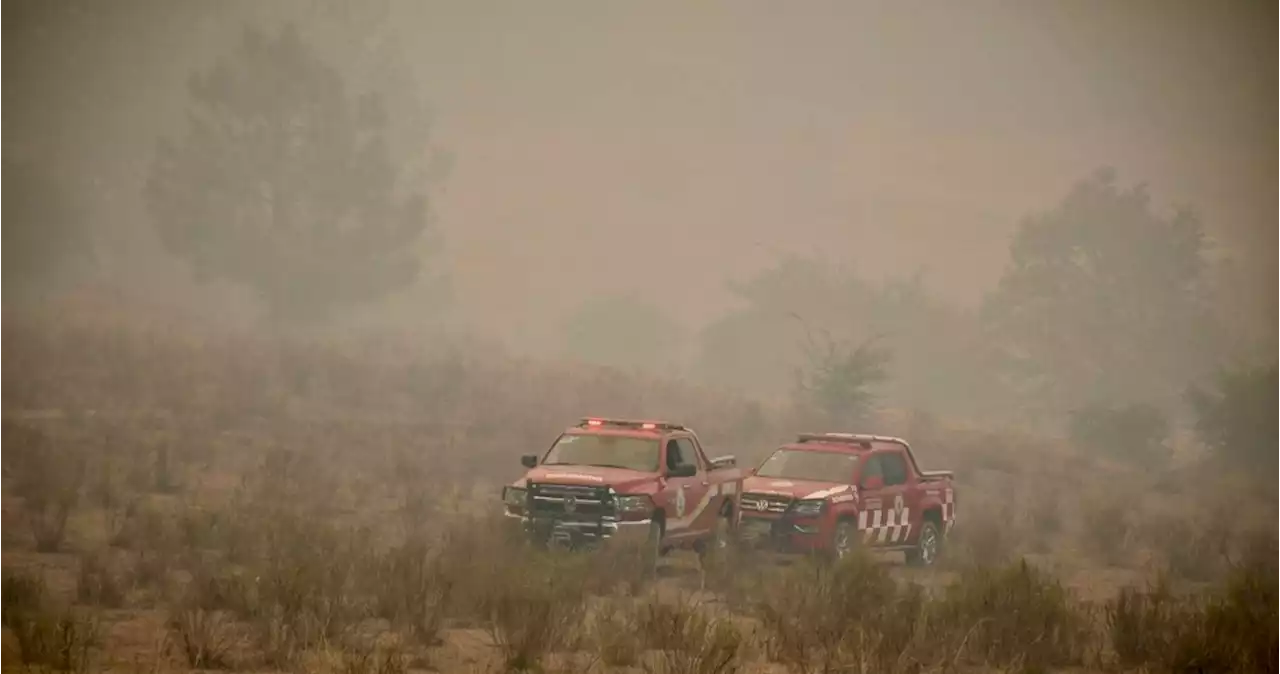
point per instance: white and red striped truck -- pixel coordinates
(829, 493)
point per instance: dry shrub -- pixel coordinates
(410, 590)
(1255, 549)
(1188, 548)
(1007, 616)
(297, 583)
(372, 656)
(151, 569)
(25, 441)
(1108, 529)
(63, 640)
(217, 587)
(307, 577)
(984, 536)
(1233, 631)
(1240, 626)
(21, 594)
(686, 638)
(624, 566)
(203, 620)
(148, 525)
(11, 655)
(665, 625)
(204, 528)
(615, 632)
(48, 475)
(821, 618)
(50, 636)
(207, 638)
(1044, 516)
(472, 551)
(1144, 625)
(106, 487)
(100, 582)
(535, 607)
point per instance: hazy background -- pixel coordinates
(648, 155)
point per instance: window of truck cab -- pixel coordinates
(680, 452)
(894, 466)
(890, 466)
(605, 450)
(811, 465)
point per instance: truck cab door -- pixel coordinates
(900, 495)
(871, 499)
(688, 496)
(885, 518)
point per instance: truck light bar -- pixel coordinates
(645, 425)
(863, 440)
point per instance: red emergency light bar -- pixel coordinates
(598, 422)
(863, 440)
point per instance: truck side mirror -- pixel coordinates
(529, 460)
(873, 482)
(683, 470)
(726, 461)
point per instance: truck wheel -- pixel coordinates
(652, 550)
(718, 541)
(928, 547)
(843, 540)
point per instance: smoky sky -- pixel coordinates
(661, 149)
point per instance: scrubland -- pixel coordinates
(180, 499)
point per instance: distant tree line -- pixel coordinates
(1102, 324)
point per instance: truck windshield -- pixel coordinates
(609, 451)
(803, 465)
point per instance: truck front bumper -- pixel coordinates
(784, 534)
(580, 534)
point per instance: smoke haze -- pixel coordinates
(663, 151)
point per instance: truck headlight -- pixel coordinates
(514, 496)
(633, 504)
(808, 507)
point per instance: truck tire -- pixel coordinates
(928, 546)
(652, 550)
(844, 540)
(718, 542)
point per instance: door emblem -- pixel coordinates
(570, 504)
(679, 503)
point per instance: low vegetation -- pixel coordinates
(224, 503)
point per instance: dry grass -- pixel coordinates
(48, 634)
(305, 506)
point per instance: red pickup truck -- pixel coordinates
(830, 492)
(647, 481)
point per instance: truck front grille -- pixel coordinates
(571, 501)
(765, 503)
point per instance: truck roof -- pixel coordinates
(861, 442)
(845, 442)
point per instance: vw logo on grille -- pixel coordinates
(570, 504)
(762, 505)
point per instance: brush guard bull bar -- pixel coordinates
(571, 516)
